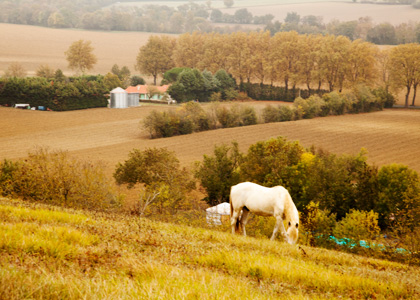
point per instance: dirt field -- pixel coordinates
(108, 135)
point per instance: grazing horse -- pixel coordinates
(276, 201)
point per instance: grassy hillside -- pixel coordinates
(48, 253)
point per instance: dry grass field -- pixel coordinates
(108, 135)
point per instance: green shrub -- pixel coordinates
(310, 108)
(270, 114)
(336, 103)
(248, 115)
(281, 113)
(317, 225)
(358, 225)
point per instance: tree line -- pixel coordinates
(287, 58)
(192, 117)
(192, 16)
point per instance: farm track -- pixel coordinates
(108, 135)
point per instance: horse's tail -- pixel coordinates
(231, 206)
(237, 224)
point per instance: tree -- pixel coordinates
(333, 60)
(123, 73)
(219, 172)
(188, 50)
(243, 16)
(160, 171)
(80, 56)
(362, 62)
(155, 57)
(404, 68)
(285, 55)
(382, 34)
(228, 3)
(15, 69)
(136, 80)
(45, 71)
(111, 81)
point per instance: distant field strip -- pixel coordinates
(108, 135)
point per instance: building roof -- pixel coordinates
(142, 89)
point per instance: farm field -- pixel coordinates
(33, 46)
(108, 135)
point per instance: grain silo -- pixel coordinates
(133, 95)
(119, 98)
(133, 99)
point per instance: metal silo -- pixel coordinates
(119, 98)
(133, 99)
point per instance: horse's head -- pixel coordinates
(292, 232)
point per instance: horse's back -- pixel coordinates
(257, 198)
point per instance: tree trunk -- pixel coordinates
(406, 95)
(154, 78)
(414, 94)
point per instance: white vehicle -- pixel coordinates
(22, 106)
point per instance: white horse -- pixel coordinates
(276, 201)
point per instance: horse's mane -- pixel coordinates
(290, 209)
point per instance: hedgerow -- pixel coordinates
(58, 95)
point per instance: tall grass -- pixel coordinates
(52, 254)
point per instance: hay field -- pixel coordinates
(108, 135)
(33, 46)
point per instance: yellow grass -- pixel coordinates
(120, 257)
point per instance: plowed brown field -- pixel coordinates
(108, 135)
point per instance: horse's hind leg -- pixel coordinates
(234, 221)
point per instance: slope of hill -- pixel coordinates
(49, 253)
(389, 136)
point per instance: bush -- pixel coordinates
(317, 225)
(56, 178)
(271, 114)
(310, 108)
(159, 170)
(337, 104)
(358, 225)
(281, 113)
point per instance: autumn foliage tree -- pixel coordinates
(404, 69)
(80, 56)
(155, 57)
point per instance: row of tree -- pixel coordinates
(189, 17)
(288, 58)
(364, 28)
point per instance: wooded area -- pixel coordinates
(289, 59)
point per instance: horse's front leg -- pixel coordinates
(279, 225)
